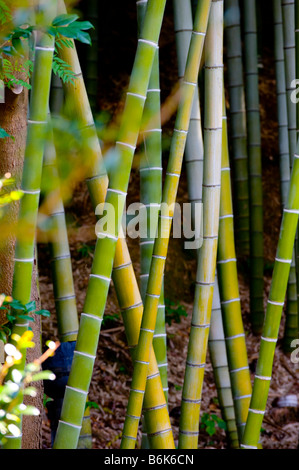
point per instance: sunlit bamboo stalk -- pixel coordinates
(229, 293)
(150, 196)
(164, 225)
(275, 304)
(97, 291)
(217, 348)
(123, 276)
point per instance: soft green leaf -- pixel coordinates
(3, 133)
(64, 20)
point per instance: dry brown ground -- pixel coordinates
(111, 377)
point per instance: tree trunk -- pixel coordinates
(13, 118)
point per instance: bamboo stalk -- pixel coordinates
(123, 273)
(294, 324)
(290, 331)
(219, 362)
(273, 313)
(193, 156)
(164, 225)
(61, 266)
(206, 264)
(254, 168)
(97, 291)
(150, 196)
(194, 165)
(229, 293)
(288, 13)
(31, 179)
(238, 131)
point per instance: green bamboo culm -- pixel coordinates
(294, 336)
(31, 178)
(193, 156)
(288, 13)
(275, 304)
(61, 266)
(194, 166)
(150, 172)
(218, 355)
(288, 18)
(97, 290)
(56, 106)
(150, 197)
(206, 264)
(124, 279)
(164, 225)
(254, 168)
(229, 293)
(290, 330)
(238, 127)
(197, 347)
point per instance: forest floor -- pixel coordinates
(111, 377)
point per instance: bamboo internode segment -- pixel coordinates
(273, 313)
(254, 168)
(194, 167)
(193, 157)
(150, 196)
(97, 290)
(164, 224)
(219, 361)
(61, 266)
(288, 17)
(238, 133)
(206, 265)
(291, 328)
(229, 292)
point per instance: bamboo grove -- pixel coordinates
(216, 137)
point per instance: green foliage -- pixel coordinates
(91, 404)
(16, 310)
(108, 319)
(85, 250)
(67, 25)
(63, 70)
(209, 423)
(8, 70)
(174, 312)
(14, 384)
(5, 15)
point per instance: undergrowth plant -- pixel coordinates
(15, 384)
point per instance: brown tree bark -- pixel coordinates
(13, 118)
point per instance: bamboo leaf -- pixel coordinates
(64, 20)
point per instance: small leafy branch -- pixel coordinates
(64, 28)
(209, 423)
(8, 70)
(14, 383)
(174, 312)
(16, 310)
